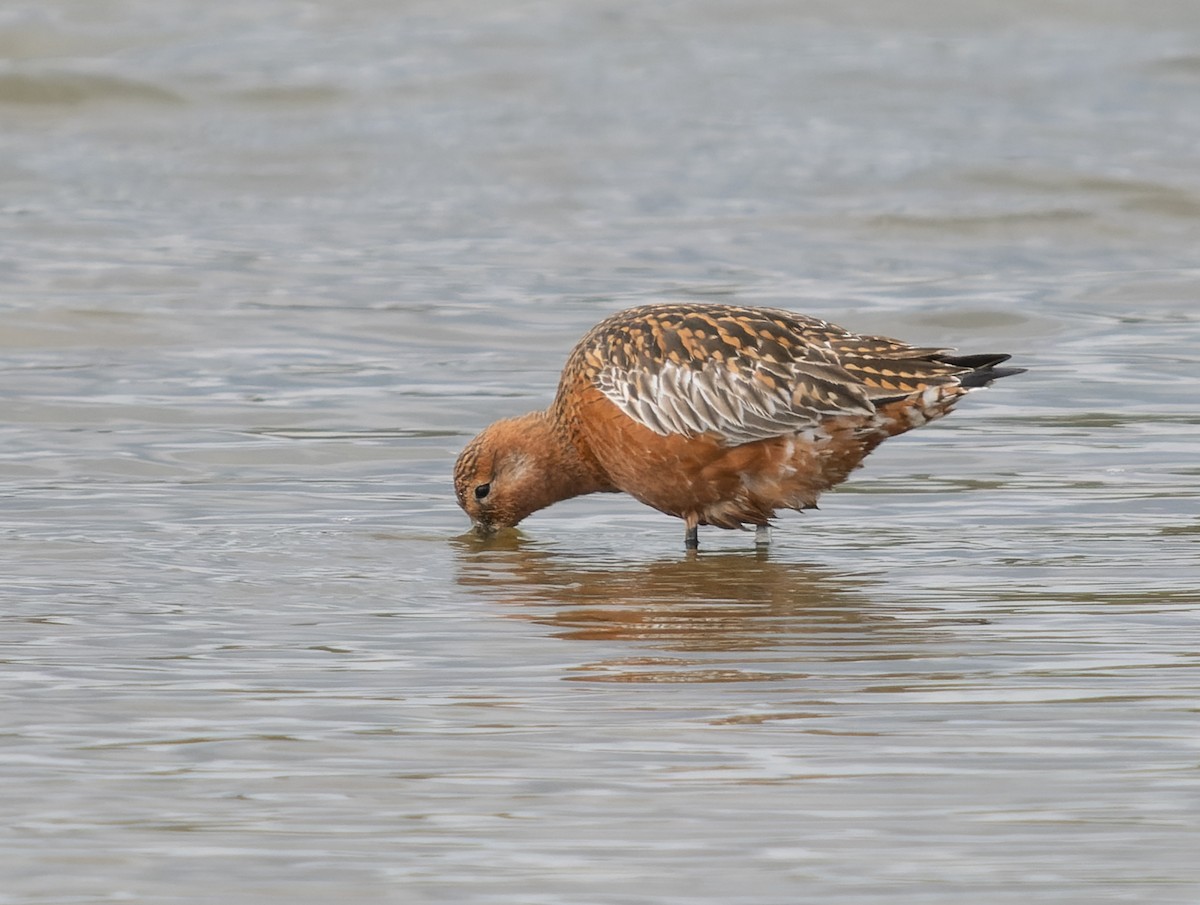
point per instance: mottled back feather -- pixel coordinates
(747, 374)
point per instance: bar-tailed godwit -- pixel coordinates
(715, 414)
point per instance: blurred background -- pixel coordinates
(268, 265)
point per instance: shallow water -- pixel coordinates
(268, 267)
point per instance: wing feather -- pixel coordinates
(743, 374)
(732, 404)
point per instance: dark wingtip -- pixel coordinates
(974, 362)
(986, 374)
(982, 367)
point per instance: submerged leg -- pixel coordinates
(762, 536)
(691, 537)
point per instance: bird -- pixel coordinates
(716, 414)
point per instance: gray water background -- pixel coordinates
(268, 265)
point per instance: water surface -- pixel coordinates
(268, 267)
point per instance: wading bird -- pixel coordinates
(715, 414)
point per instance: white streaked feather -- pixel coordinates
(715, 399)
(718, 403)
(647, 413)
(675, 402)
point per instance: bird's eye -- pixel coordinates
(482, 490)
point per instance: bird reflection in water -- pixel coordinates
(740, 603)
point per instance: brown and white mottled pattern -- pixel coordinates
(717, 414)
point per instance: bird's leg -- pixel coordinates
(762, 536)
(691, 537)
